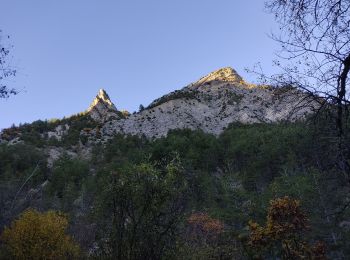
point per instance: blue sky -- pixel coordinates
(137, 50)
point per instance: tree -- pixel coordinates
(315, 57)
(145, 206)
(202, 238)
(315, 38)
(6, 70)
(204, 229)
(36, 235)
(283, 234)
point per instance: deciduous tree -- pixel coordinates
(315, 38)
(145, 205)
(36, 235)
(284, 232)
(6, 69)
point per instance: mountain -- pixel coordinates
(211, 104)
(102, 108)
(192, 194)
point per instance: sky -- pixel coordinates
(65, 51)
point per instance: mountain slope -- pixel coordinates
(211, 104)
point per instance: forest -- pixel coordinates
(255, 191)
(269, 190)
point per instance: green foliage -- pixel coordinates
(126, 149)
(16, 159)
(21, 167)
(66, 181)
(143, 206)
(177, 94)
(260, 152)
(134, 188)
(36, 132)
(76, 124)
(196, 149)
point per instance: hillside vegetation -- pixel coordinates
(190, 195)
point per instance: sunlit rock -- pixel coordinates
(102, 108)
(212, 104)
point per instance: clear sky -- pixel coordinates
(137, 50)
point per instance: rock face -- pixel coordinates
(224, 75)
(211, 104)
(102, 108)
(58, 132)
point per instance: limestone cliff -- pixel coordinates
(102, 108)
(211, 104)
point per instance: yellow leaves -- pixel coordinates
(285, 218)
(284, 228)
(38, 235)
(258, 235)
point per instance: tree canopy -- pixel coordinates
(36, 235)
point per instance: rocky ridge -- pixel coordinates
(211, 104)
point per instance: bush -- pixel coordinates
(38, 235)
(284, 233)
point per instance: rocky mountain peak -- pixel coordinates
(226, 74)
(211, 105)
(102, 96)
(102, 108)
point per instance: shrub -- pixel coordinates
(283, 234)
(38, 235)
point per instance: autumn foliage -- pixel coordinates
(203, 230)
(36, 235)
(283, 234)
(202, 223)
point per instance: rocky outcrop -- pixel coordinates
(102, 108)
(211, 104)
(224, 75)
(59, 132)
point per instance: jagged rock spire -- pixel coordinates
(102, 108)
(102, 97)
(226, 74)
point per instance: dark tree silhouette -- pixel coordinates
(315, 43)
(6, 70)
(314, 37)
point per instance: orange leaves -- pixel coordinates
(285, 227)
(285, 218)
(206, 224)
(257, 235)
(203, 229)
(38, 235)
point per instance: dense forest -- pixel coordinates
(255, 191)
